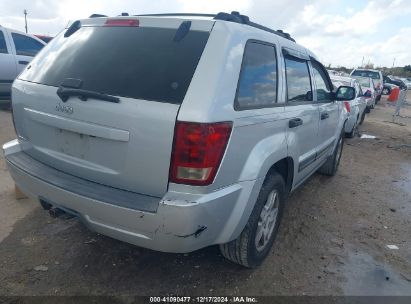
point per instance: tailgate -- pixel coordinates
(125, 145)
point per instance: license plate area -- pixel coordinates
(73, 144)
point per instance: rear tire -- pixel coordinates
(353, 132)
(377, 99)
(330, 167)
(255, 241)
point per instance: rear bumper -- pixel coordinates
(182, 222)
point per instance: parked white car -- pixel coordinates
(17, 49)
(375, 75)
(370, 92)
(356, 108)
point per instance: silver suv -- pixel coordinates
(175, 132)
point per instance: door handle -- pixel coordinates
(23, 62)
(324, 115)
(295, 122)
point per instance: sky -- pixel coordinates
(339, 32)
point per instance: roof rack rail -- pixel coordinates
(243, 19)
(231, 17)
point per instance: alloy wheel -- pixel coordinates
(267, 221)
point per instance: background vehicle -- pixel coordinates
(407, 83)
(396, 81)
(17, 49)
(368, 88)
(356, 107)
(168, 146)
(387, 88)
(376, 76)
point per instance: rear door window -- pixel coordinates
(3, 45)
(26, 46)
(323, 87)
(298, 80)
(138, 62)
(257, 87)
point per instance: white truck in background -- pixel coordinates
(17, 49)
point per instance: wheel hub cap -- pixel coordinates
(267, 221)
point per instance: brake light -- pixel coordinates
(197, 151)
(122, 22)
(347, 106)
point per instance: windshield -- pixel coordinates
(141, 63)
(365, 73)
(364, 82)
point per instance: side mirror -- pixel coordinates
(345, 93)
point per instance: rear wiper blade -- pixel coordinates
(64, 94)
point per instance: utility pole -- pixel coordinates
(362, 62)
(25, 19)
(393, 62)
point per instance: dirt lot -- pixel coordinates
(332, 240)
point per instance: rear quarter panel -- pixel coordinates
(258, 138)
(259, 135)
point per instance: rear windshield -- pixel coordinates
(142, 63)
(365, 73)
(364, 82)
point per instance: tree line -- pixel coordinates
(404, 72)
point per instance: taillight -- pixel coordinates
(347, 106)
(197, 151)
(122, 22)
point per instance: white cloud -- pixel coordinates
(339, 38)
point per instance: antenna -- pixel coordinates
(25, 19)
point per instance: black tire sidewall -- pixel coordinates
(336, 162)
(353, 131)
(362, 118)
(274, 181)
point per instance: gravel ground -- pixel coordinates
(332, 240)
